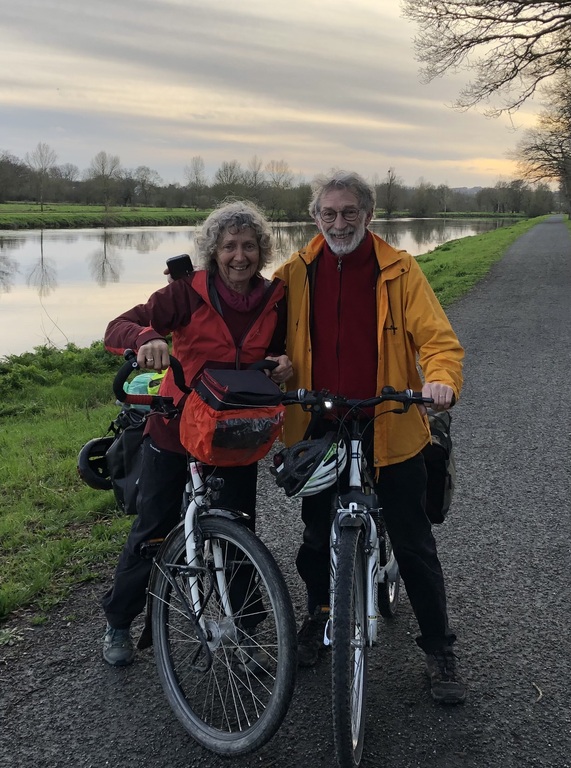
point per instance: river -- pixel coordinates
(60, 286)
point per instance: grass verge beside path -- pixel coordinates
(54, 530)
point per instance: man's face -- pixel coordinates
(342, 236)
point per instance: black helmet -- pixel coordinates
(92, 463)
(310, 466)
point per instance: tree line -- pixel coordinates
(273, 185)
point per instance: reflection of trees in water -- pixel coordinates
(289, 238)
(8, 269)
(43, 274)
(105, 264)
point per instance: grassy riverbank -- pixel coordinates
(55, 531)
(63, 216)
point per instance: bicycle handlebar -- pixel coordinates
(313, 399)
(154, 401)
(160, 402)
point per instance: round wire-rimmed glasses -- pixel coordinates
(328, 215)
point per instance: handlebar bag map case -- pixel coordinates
(232, 417)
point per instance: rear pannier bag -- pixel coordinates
(231, 418)
(440, 467)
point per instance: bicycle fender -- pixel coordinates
(229, 514)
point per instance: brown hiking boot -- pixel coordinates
(446, 685)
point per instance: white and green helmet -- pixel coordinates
(310, 466)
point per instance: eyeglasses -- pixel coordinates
(328, 215)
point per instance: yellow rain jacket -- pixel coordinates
(413, 330)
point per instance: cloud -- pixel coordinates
(159, 82)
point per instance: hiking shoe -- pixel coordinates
(118, 648)
(310, 637)
(250, 655)
(446, 685)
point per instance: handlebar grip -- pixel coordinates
(131, 365)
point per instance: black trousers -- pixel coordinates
(402, 494)
(159, 503)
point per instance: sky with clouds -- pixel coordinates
(317, 84)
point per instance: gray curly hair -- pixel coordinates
(233, 217)
(338, 179)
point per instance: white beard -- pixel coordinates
(357, 233)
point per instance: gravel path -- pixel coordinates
(506, 556)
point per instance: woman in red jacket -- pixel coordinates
(224, 316)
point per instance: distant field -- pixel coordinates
(62, 216)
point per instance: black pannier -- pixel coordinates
(440, 467)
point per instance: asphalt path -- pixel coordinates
(506, 556)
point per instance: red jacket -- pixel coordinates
(187, 308)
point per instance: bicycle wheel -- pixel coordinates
(389, 590)
(230, 678)
(349, 649)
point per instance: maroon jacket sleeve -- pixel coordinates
(166, 310)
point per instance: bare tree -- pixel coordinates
(389, 193)
(41, 162)
(229, 174)
(279, 174)
(544, 153)
(254, 177)
(105, 171)
(195, 173)
(512, 46)
(196, 180)
(146, 180)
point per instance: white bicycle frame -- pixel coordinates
(375, 573)
(196, 492)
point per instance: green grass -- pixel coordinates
(62, 216)
(55, 531)
(454, 267)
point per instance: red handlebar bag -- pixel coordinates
(231, 418)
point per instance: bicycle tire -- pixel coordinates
(349, 649)
(234, 706)
(389, 591)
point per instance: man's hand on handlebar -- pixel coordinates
(442, 394)
(154, 355)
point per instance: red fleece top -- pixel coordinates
(344, 322)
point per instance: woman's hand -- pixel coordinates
(154, 355)
(284, 369)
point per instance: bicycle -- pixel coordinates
(364, 577)
(223, 626)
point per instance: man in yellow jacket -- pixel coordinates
(361, 316)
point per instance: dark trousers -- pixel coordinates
(159, 504)
(402, 493)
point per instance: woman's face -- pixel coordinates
(238, 256)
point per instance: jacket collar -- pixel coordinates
(387, 256)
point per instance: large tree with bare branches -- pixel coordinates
(544, 152)
(510, 47)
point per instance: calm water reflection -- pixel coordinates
(60, 286)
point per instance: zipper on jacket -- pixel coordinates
(263, 304)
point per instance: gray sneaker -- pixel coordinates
(250, 655)
(446, 685)
(118, 647)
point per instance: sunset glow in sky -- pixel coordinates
(315, 84)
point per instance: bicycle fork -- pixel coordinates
(356, 515)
